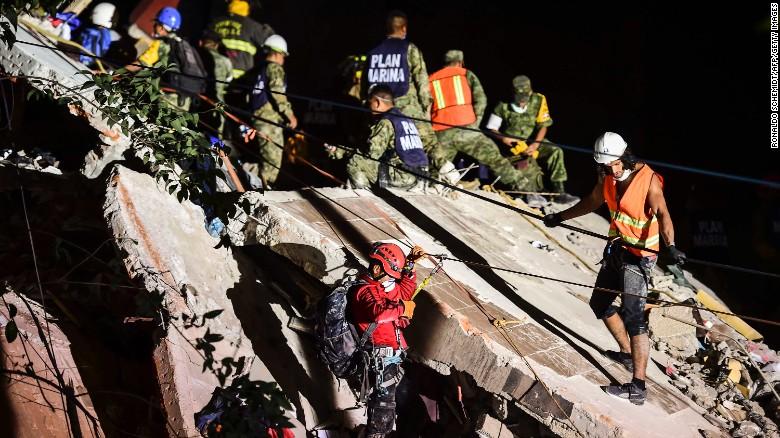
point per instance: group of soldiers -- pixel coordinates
(419, 122)
(444, 111)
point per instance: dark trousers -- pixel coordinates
(626, 272)
(382, 403)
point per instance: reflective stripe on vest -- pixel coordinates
(630, 220)
(241, 45)
(451, 98)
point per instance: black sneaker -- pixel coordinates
(621, 358)
(628, 391)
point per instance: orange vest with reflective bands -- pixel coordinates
(451, 98)
(631, 221)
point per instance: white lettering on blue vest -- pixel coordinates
(409, 142)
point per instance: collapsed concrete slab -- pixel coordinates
(33, 401)
(548, 323)
(31, 57)
(167, 247)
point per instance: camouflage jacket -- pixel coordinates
(523, 124)
(277, 105)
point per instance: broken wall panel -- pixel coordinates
(551, 325)
(35, 402)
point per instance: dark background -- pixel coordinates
(686, 85)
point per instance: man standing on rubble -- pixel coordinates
(639, 218)
(394, 147)
(526, 116)
(384, 298)
(271, 108)
(398, 64)
(460, 100)
(241, 36)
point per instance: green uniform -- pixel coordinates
(523, 125)
(278, 110)
(363, 172)
(157, 55)
(221, 72)
(417, 103)
(479, 146)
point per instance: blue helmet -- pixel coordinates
(170, 18)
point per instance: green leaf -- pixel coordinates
(11, 310)
(11, 331)
(212, 314)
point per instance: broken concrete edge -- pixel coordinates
(134, 243)
(271, 226)
(15, 359)
(141, 215)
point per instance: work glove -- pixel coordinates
(674, 255)
(408, 309)
(552, 220)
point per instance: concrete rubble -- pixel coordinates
(521, 331)
(31, 402)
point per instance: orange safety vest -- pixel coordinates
(631, 221)
(451, 98)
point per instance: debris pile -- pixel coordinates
(37, 159)
(728, 380)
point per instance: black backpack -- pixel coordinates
(192, 81)
(336, 338)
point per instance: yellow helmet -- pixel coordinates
(238, 7)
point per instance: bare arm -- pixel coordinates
(657, 202)
(588, 204)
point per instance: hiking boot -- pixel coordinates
(628, 391)
(535, 201)
(565, 198)
(621, 358)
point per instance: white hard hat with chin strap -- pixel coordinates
(103, 14)
(277, 44)
(608, 148)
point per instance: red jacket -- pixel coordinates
(370, 303)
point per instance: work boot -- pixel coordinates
(629, 391)
(535, 201)
(621, 358)
(562, 197)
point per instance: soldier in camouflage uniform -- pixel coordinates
(528, 117)
(399, 64)
(267, 104)
(220, 72)
(158, 53)
(393, 139)
(451, 112)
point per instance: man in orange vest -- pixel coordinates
(639, 219)
(459, 100)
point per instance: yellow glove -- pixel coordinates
(408, 309)
(519, 147)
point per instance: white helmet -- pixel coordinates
(103, 15)
(608, 148)
(277, 44)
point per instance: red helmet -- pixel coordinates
(390, 256)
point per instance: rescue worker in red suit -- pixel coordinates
(385, 298)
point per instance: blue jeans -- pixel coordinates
(628, 273)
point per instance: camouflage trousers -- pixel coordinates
(364, 173)
(173, 99)
(551, 160)
(480, 147)
(271, 140)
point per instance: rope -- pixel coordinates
(683, 168)
(431, 179)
